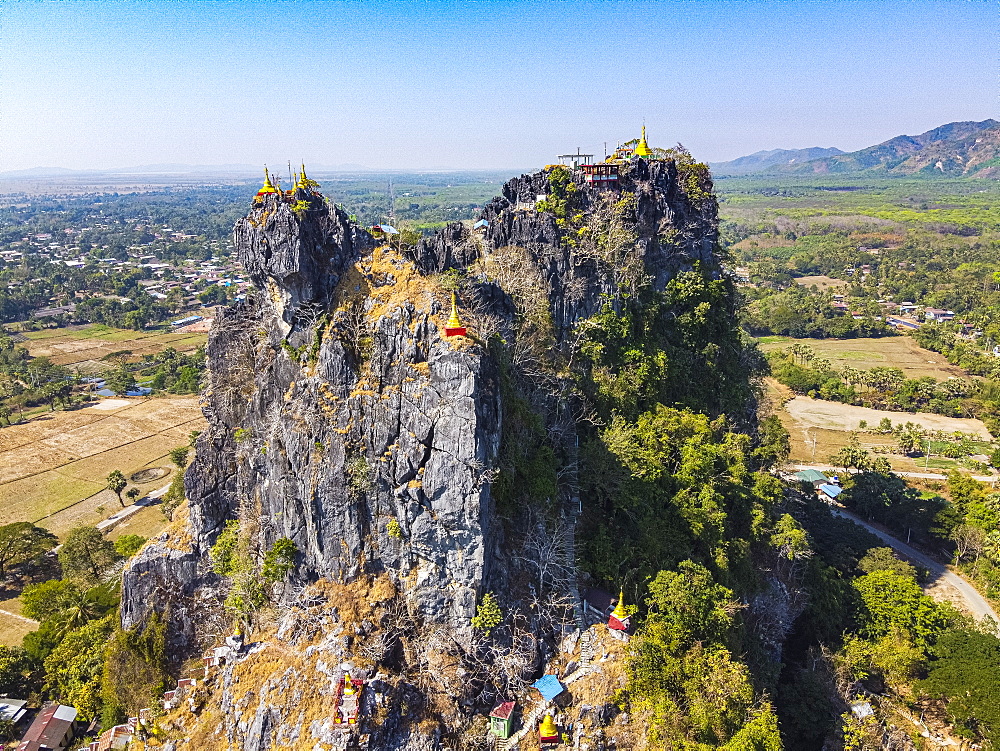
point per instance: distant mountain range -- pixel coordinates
(957, 149)
(762, 161)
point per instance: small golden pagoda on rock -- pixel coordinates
(454, 326)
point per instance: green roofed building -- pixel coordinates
(813, 476)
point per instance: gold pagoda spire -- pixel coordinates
(454, 322)
(348, 685)
(642, 148)
(619, 612)
(268, 185)
(548, 727)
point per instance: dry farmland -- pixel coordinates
(53, 467)
(892, 351)
(820, 428)
(82, 347)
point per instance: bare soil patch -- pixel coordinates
(149, 474)
(83, 347)
(53, 470)
(13, 630)
(819, 413)
(149, 523)
(822, 283)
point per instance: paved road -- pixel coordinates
(976, 603)
(139, 505)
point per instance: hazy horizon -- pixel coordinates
(475, 85)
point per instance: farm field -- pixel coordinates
(819, 413)
(818, 429)
(13, 630)
(82, 347)
(823, 283)
(892, 351)
(53, 468)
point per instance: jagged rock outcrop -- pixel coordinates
(363, 436)
(341, 417)
(673, 231)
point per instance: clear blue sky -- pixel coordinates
(95, 84)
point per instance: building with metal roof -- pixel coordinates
(52, 729)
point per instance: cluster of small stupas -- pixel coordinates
(302, 182)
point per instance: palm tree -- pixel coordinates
(82, 607)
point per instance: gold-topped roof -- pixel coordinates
(642, 148)
(348, 685)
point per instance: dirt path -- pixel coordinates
(19, 617)
(975, 602)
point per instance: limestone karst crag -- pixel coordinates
(341, 417)
(298, 260)
(674, 231)
(359, 433)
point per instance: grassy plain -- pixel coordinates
(892, 351)
(849, 200)
(82, 347)
(53, 468)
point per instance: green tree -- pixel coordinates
(896, 604)
(488, 614)
(225, 560)
(46, 600)
(174, 496)
(964, 668)
(121, 380)
(134, 674)
(116, 484)
(852, 456)
(133, 494)
(86, 555)
(129, 545)
(686, 606)
(885, 559)
(19, 672)
(74, 668)
(179, 456)
(279, 560)
(21, 542)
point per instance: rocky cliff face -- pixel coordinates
(340, 415)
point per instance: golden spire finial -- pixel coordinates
(348, 684)
(619, 612)
(454, 322)
(642, 148)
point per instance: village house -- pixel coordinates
(937, 315)
(52, 730)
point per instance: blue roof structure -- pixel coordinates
(183, 321)
(549, 687)
(480, 223)
(831, 490)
